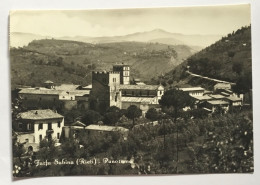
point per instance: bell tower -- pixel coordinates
(124, 71)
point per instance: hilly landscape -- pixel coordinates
(196, 42)
(64, 61)
(228, 59)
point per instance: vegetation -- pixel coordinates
(220, 144)
(72, 62)
(133, 112)
(228, 59)
(174, 100)
(152, 114)
(112, 115)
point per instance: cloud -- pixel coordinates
(187, 20)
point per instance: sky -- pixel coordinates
(213, 20)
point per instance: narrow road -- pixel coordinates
(211, 79)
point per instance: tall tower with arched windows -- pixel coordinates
(124, 71)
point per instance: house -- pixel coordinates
(234, 101)
(193, 91)
(213, 105)
(65, 96)
(103, 129)
(35, 125)
(73, 130)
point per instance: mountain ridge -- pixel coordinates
(17, 39)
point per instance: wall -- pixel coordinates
(66, 96)
(55, 128)
(139, 92)
(105, 90)
(22, 138)
(40, 100)
(196, 93)
(124, 73)
(69, 104)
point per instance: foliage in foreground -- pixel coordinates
(219, 144)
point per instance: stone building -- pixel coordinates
(105, 90)
(114, 89)
(62, 97)
(35, 125)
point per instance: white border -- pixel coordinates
(5, 123)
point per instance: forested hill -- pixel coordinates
(64, 61)
(228, 59)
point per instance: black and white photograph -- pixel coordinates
(137, 91)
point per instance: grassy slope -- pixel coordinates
(220, 55)
(147, 60)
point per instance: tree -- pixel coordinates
(152, 114)
(47, 150)
(244, 85)
(111, 117)
(231, 54)
(238, 67)
(133, 112)
(72, 115)
(174, 100)
(91, 117)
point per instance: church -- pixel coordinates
(113, 88)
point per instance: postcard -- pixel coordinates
(144, 91)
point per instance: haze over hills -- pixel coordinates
(19, 39)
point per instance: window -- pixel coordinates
(71, 98)
(160, 92)
(40, 137)
(125, 93)
(49, 137)
(29, 126)
(116, 98)
(49, 126)
(140, 93)
(59, 124)
(58, 135)
(27, 140)
(20, 125)
(40, 126)
(148, 93)
(133, 93)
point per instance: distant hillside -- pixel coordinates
(19, 39)
(227, 59)
(71, 61)
(154, 36)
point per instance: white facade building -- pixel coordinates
(36, 125)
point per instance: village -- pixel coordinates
(44, 120)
